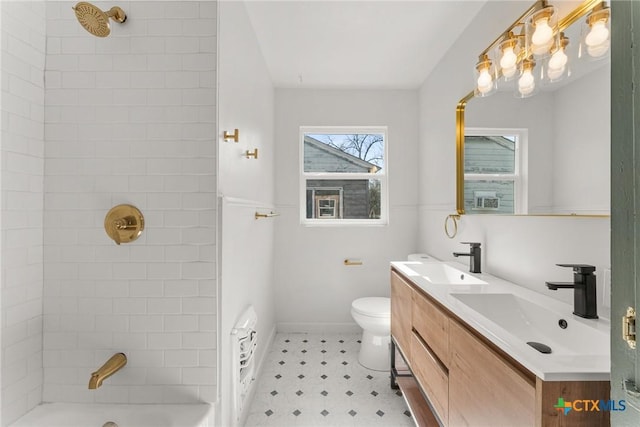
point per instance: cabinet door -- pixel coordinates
(484, 388)
(401, 305)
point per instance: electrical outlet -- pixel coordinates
(606, 288)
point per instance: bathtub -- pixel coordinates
(96, 415)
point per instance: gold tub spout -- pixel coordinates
(113, 365)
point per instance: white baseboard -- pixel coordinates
(314, 328)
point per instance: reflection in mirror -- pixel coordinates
(561, 165)
(494, 176)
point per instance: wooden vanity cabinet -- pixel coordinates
(401, 306)
(469, 382)
(484, 388)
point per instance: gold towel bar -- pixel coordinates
(352, 262)
(266, 215)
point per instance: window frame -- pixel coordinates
(520, 174)
(382, 176)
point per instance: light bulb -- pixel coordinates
(599, 50)
(526, 83)
(485, 81)
(555, 73)
(558, 60)
(599, 34)
(543, 33)
(509, 72)
(509, 58)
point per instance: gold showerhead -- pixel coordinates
(95, 20)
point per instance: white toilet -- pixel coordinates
(373, 315)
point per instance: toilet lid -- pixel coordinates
(372, 306)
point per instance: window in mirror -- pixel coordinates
(344, 176)
(494, 172)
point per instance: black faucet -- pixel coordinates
(584, 290)
(475, 256)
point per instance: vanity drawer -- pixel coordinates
(432, 376)
(432, 324)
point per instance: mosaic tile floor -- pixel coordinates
(316, 380)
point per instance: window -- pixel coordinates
(494, 171)
(343, 175)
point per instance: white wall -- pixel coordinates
(521, 249)
(21, 151)
(582, 145)
(246, 102)
(131, 118)
(314, 289)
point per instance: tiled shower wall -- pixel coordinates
(130, 118)
(21, 152)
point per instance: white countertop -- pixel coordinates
(592, 364)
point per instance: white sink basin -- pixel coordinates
(527, 321)
(443, 274)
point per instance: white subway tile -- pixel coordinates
(129, 62)
(201, 376)
(183, 9)
(181, 358)
(103, 306)
(182, 253)
(147, 79)
(146, 288)
(207, 358)
(77, 45)
(114, 45)
(95, 62)
(95, 340)
(114, 79)
(163, 376)
(164, 341)
(164, 27)
(152, 323)
(129, 305)
(203, 305)
(164, 305)
(163, 271)
(182, 45)
(145, 358)
(147, 45)
(130, 341)
(198, 270)
(164, 62)
(78, 79)
(181, 323)
(112, 323)
(181, 288)
(145, 394)
(129, 271)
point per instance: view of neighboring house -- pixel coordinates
(491, 155)
(336, 198)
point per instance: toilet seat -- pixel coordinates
(372, 306)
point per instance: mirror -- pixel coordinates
(548, 154)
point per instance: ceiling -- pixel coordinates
(356, 43)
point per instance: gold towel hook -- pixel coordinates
(249, 154)
(235, 136)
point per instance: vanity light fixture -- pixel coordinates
(597, 32)
(537, 37)
(485, 83)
